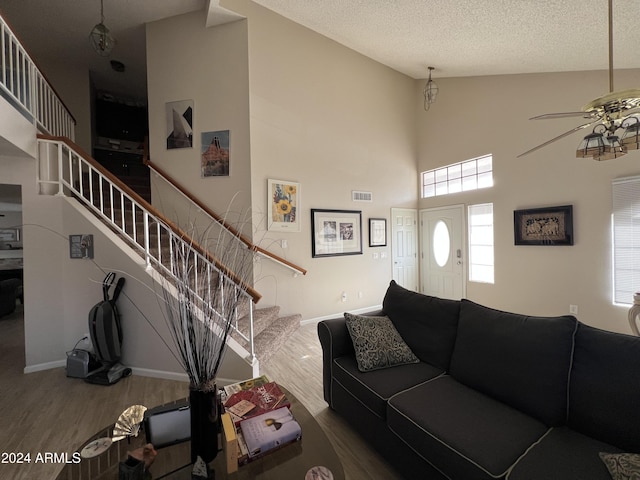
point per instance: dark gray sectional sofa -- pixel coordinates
(495, 394)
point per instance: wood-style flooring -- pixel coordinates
(46, 412)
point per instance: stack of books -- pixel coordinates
(257, 420)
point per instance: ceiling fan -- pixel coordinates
(609, 113)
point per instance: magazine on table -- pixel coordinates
(269, 431)
(255, 401)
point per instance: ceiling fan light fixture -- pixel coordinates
(430, 91)
(631, 135)
(591, 146)
(101, 39)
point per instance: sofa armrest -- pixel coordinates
(336, 342)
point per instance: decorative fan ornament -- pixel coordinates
(610, 113)
(128, 423)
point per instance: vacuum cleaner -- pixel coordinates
(106, 335)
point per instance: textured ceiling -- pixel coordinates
(475, 37)
(457, 37)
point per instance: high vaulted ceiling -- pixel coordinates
(458, 38)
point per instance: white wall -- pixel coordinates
(334, 121)
(479, 115)
(186, 61)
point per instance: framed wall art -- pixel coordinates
(179, 121)
(214, 155)
(336, 232)
(283, 205)
(544, 226)
(377, 232)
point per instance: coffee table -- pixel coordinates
(290, 462)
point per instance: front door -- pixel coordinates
(443, 254)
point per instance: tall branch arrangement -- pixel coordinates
(202, 301)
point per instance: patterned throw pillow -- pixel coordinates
(377, 343)
(622, 466)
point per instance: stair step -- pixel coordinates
(273, 338)
(262, 318)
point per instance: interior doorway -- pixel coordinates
(404, 247)
(443, 253)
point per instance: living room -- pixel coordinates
(304, 108)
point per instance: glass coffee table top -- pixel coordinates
(290, 462)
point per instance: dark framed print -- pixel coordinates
(544, 226)
(377, 232)
(335, 232)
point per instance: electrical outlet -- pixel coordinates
(573, 309)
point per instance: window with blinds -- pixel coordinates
(626, 239)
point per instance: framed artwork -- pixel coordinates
(544, 226)
(336, 232)
(214, 154)
(179, 121)
(283, 200)
(377, 232)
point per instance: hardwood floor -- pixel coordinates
(45, 411)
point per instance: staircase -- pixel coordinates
(66, 170)
(260, 332)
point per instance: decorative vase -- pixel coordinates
(205, 424)
(634, 312)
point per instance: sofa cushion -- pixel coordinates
(463, 433)
(563, 454)
(604, 391)
(374, 388)
(377, 343)
(520, 360)
(427, 324)
(622, 466)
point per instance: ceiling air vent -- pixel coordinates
(358, 196)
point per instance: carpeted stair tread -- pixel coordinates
(262, 318)
(271, 339)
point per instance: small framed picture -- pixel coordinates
(377, 232)
(336, 232)
(283, 206)
(544, 226)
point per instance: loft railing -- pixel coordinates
(23, 84)
(65, 169)
(297, 270)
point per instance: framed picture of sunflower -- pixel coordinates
(283, 200)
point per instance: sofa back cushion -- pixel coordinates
(427, 324)
(604, 390)
(519, 360)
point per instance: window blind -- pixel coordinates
(626, 239)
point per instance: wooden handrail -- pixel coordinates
(221, 220)
(175, 228)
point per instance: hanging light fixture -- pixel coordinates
(101, 40)
(430, 91)
(601, 145)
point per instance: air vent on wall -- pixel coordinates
(359, 196)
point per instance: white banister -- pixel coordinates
(80, 181)
(22, 83)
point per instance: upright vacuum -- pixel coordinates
(106, 335)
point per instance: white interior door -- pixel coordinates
(404, 247)
(443, 253)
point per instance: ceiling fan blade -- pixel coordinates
(563, 115)
(573, 130)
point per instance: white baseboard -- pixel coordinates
(44, 366)
(336, 315)
(147, 372)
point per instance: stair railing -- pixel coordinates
(26, 87)
(65, 165)
(297, 270)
